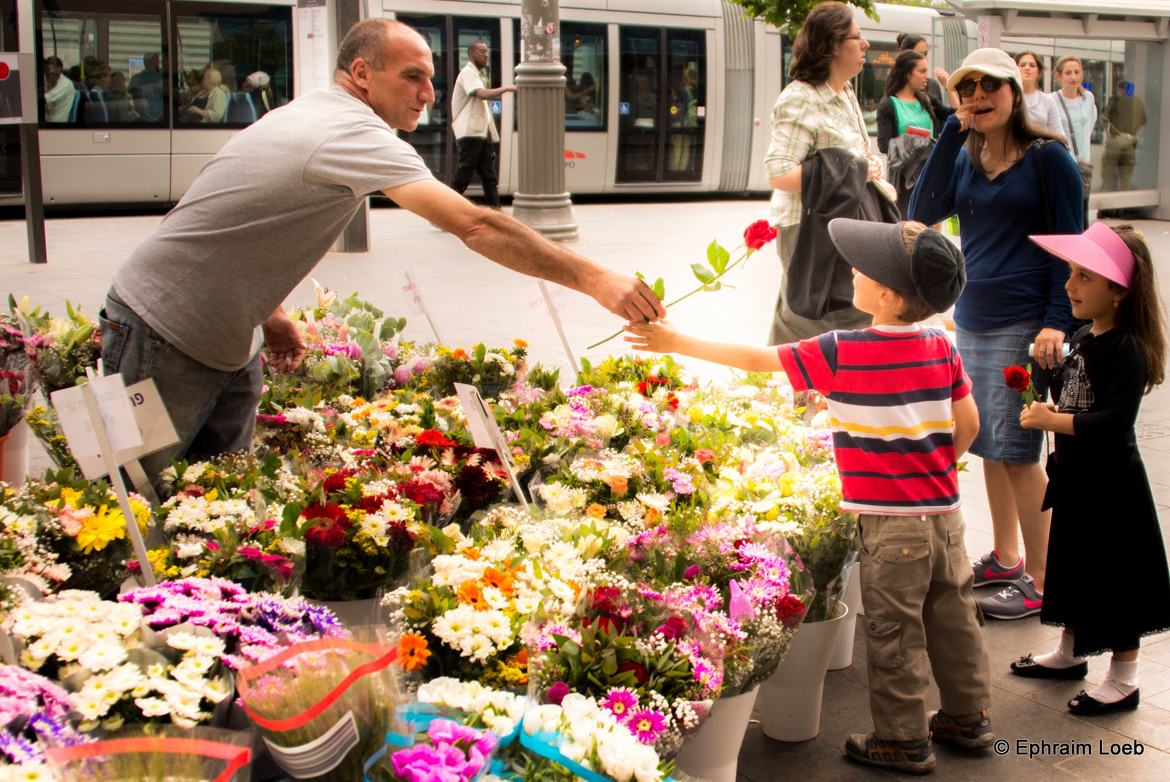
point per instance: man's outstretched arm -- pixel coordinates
(512, 244)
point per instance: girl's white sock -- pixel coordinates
(1121, 681)
(1061, 656)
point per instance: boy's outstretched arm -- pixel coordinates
(966, 424)
(662, 337)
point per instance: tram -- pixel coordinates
(662, 96)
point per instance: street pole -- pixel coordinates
(541, 200)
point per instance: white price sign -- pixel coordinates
(116, 411)
(152, 426)
(486, 434)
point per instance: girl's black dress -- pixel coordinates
(1106, 579)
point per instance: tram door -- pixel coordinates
(661, 105)
(10, 181)
(449, 37)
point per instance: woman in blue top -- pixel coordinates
(1006, 184)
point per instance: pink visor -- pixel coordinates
(1098, 249)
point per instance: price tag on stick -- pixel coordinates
(486, 434)
(110, 419)
(556, 319)
(411, 288)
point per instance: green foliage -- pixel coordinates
(789, 15)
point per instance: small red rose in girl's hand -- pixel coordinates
(1019, 378)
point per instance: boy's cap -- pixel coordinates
(991, 61)
(1098, 249)
(934, 271)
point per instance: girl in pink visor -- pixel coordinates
(1098, 490)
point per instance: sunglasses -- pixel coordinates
(966, 88)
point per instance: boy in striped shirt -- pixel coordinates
(902, 413)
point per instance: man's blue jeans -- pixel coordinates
(213, 411)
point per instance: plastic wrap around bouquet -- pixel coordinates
(324, 707)
(159, 752)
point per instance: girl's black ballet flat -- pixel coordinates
(1030, 669)
(1088, 706)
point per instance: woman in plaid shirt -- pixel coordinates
(817, 110)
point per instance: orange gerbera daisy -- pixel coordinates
(413, 651)
(471, 553)
(500, 579)
(470, 594)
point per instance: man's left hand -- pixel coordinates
(627, 297)
(286, 347)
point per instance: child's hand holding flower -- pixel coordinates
(1038, 415)
(660, 337)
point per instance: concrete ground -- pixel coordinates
(470, 300)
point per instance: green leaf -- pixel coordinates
(713, 286)
(717, 257)
(659, 288)
(702, 273)
(388, 330)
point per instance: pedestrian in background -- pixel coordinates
(910, 42)
(1042, 110)
(1079, 117)
(817, 110)
(475, 131)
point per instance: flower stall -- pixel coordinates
(676, 537)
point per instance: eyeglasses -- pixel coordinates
(966, 88)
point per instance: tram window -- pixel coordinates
(870, 84)
(234, 63)
(100, 67)
(583, 53)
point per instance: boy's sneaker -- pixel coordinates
(974, 733)
(911, 757)
(989, 571)
(1017, 601)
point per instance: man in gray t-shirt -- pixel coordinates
(193, 303)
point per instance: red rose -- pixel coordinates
(758, 234)
(673, 628)
(704, 455)
(790, 610)
(672, 401)
(1017, 378)
(433, 438)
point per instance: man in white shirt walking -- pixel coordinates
(475, 132)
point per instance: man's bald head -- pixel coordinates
(367, 40)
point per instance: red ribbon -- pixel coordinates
(236, 756)
(385, 656)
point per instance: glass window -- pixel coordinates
(100, 67)
(234, 63)
(870, 84)
(583, 55)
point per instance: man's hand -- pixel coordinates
(942, 76)
(286, 347)
(1038, 415)
(661, 337)
(626, 296)
(1049, 348)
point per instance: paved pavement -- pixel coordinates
(471, 300)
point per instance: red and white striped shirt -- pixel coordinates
(890, 391)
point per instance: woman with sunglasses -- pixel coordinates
(817, 110)
(992, 168)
